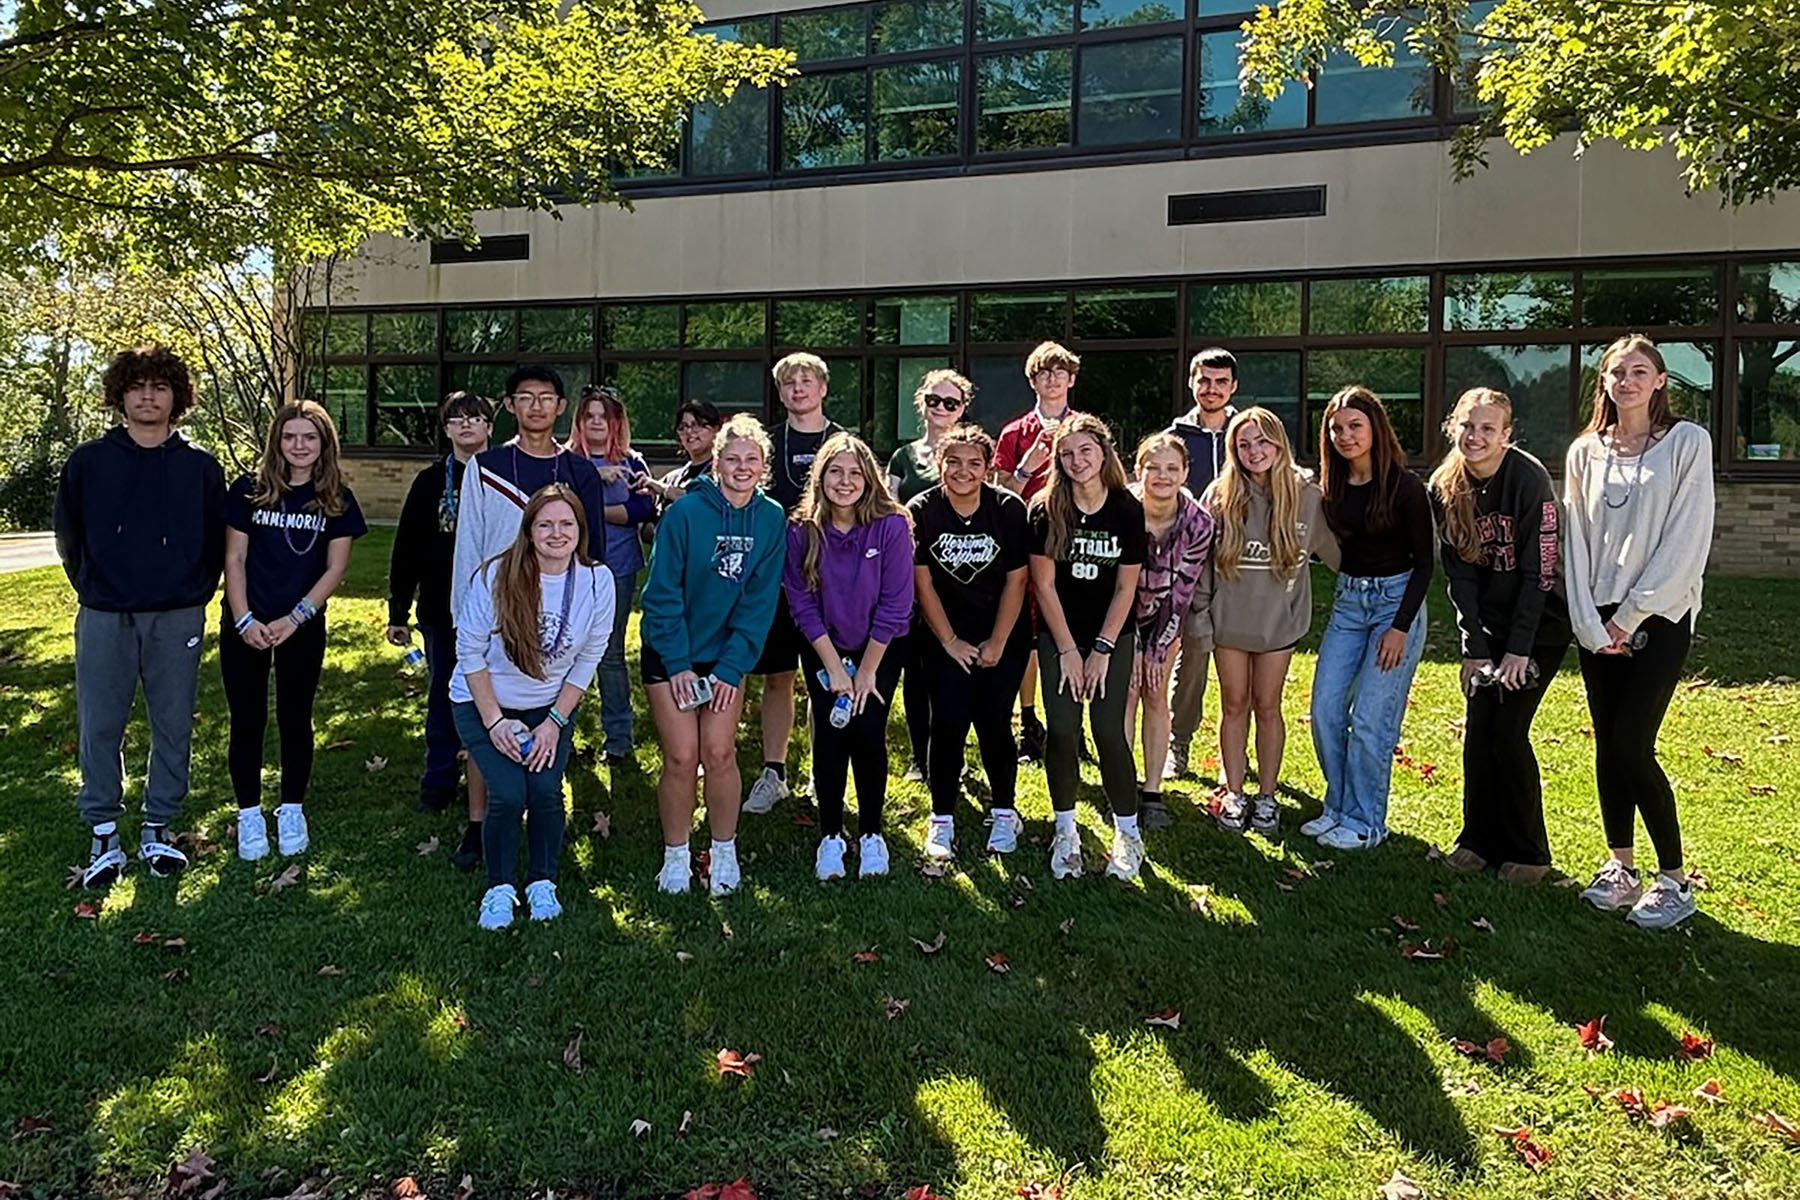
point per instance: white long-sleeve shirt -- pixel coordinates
(1648, 554)
(479, 648)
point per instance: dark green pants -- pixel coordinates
(1106, 718)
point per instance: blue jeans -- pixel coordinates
(1356, 706)
(615, 677)
(512, 793)
(441, 742)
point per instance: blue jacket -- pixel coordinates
(141, 530)
(715, 572)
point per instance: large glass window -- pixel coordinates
(1537, 379)
(896, 419)
(1023, 100)
(1768, 389)
(1349, 93)
(1769, 293)
(914, 320)
(1270, 379)
(823, 119)
(1131, 92)
(403, 333)
(916, 107)
(652, 392)
(733, 386)
(902, 26)
(480, 330)
(1510, 300)
(843, 398)
(1003, 20)
(1224, 109)
(1015, 316)
(818, 322)
(1130, 389)
(1001, 390)
(1396, 374)
(345, 395)
(1220, 311)
(1125, 313)
(1644, 299)
(1111, 14)
(565, 329)
(730, 138)
(730, 325)
(826, 34)
(1690, 379)
(1393, 305)
(406, 406)
(641, 326)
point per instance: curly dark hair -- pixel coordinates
(149, 364)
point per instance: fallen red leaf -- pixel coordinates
(865, 957)
(145, 939)
(88, 910)
(1496, 1050)
(737, 1189)
(1662, 1115)
(802, 820)
(733, 1063)
(1630, 1099)
(405, 1188)
(1712, 1092)
(706, 1191)
(920, 1193)
(1693, 1048)
(29, 1126)
(1530, 1152)
(998, 964)
(1168, 1018)
(1593, 1035)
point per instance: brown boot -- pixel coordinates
(1522, 874)
(1464, 861)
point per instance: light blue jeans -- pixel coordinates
(615, 676)
(1356, 706)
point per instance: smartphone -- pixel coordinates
(703, 688)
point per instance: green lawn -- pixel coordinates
(1312, 1059)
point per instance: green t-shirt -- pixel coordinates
(915, 468)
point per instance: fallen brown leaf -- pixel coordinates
(1711, 1092)
(895, 1006)
(375, 763)
(464, 1188)
(1399, 1187)
(189, 1175)
(269, 1075)
(1760, 789)
(998, 964)
(933, 946)
(1593, 1036)
(732, 1063)
(1168, 1018)
(1530, 1152)
(1775, 1123)
(602, 825)
(683, 957)
(931, 870)
(428, 846)
(344, 744)
(88, 910)
(1405, 925)
(405, 1188)
(1693, 1048)
(1663, 1115)
(863, 958)
(178, 975)
(572, 1054)
(287, 879)
(1066, 925)
(268, 1029)
(30, 1126)
(1483, 924)
(1441, 900)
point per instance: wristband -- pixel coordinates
(495, 721)
(1068, 650)
(562, 722)
(244, 622)
(1103, 645)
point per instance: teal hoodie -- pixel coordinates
(715, 572)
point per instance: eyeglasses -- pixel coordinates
(534, 399)
(691, 426)
(465, 420)
(1055, 373)
(933, 400)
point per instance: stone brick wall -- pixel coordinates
(1757, 531)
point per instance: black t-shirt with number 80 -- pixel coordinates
(1100, 543)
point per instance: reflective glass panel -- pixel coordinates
(1023, 100)
(1131, 92)
(1768, 400)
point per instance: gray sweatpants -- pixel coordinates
(113, 653)
(1189, 689)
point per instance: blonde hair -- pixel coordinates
(935, 377)
(1163, 440)
(814, 509)
(1450, 482)
(327, 477)
(518, 594)
(1231, 501)
(745, 428)
(1050, 355)
(800, 361)
(1058, 497)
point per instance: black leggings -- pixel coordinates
(1627, 697)
(860, 746)
(982, 698)
(1503, 799)
(916, 687)
(298, 662)
(1106, 717)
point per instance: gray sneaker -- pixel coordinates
(1616, 886)
(1176, 765)
(1233, 814)
(768, 788)
(1265, 815)
(1153, 815)
(1666, 905)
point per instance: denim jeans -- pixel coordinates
(516, 794)
(1356, 706)
(615, 677)
(441, 741)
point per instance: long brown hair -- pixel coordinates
(1058, 497)
(1387, 459)
(618, 423)
(327, 477)
(814, 509)
(1231, 501)
(1450, 482)
(1606, 413)
(518, 595)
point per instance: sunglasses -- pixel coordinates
(933, 400)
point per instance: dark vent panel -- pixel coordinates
(505, 247)
(1261, 204)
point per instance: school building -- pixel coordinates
(949, 182)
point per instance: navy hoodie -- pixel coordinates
(1206, 450)
(141, 530)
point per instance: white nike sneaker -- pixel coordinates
(725, 873)
(768, 788)
(829, 864)
(871, 856)
(938, 837)
(1003, 834)
(677, 871)
(497, 907)
(1065, 855)
(253, 834)
(540, 898)
(290, 829)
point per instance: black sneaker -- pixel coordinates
(436, 799)
(1031, 741)
(468, 854)
(159, 853)
(104, 868)
(1153, 815)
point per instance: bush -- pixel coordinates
(28, 487)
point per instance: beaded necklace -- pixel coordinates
(560, 641)
(287, 531)
(1631, 486)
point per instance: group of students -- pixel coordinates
(973, 568)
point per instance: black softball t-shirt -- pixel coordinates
(288, 543)
(969, 557)
(1099, 545)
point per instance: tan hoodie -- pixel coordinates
(1258, 611)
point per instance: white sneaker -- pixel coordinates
(253, 834)
(768, 788)
(1233, 812)
(497, 906)
(1616, 886)
(1265, 814)
(1666, 905)
(1003, 836)
(1323, 823)
(938, 837)
(871, 856)
(290, 829)
(1127, 856)
(1342, 837)
(1176, 764)
(677, 871)
(160, 855)
(104, 869)
(540, 898)
(725, 873)
(1065, 855)
(830, 861)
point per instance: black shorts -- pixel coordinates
(781, 651)
(652, 670)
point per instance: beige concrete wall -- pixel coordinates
(1387, 205)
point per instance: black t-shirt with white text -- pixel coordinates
(1099, 545)
(793, 459)
(288, 543)
(970, 556)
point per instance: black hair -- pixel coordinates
(535, 373)
(149, 364)
(466, 404)
(1216, 357)
(703, 411)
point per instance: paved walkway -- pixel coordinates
(19, 551)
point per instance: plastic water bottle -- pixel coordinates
(841, 708)
(413, 661)
(525, 740)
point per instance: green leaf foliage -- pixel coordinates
(188, 132)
